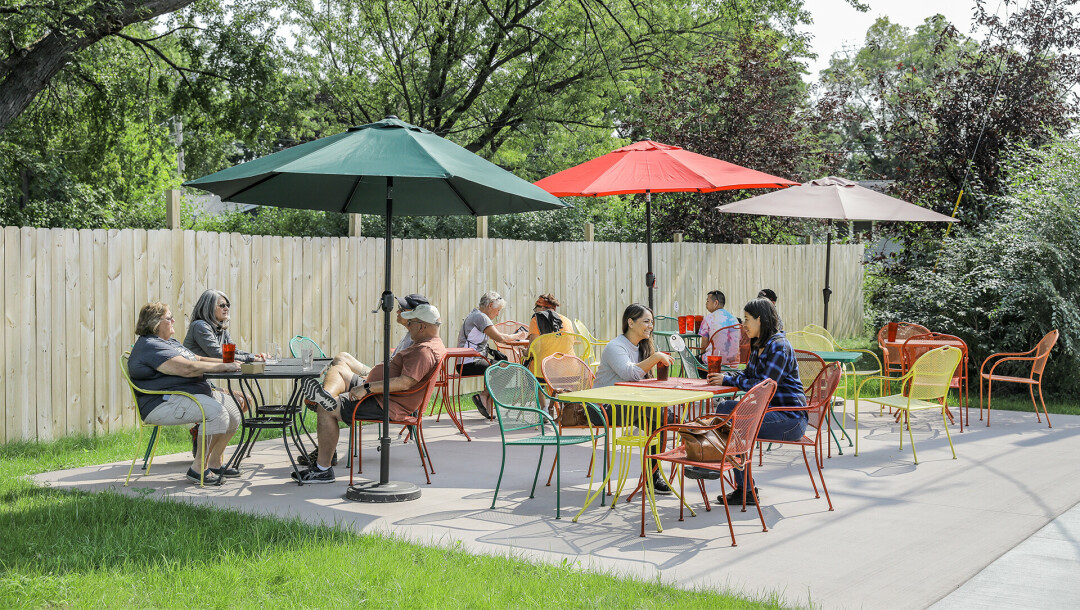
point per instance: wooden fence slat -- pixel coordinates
(12, 344)
(7, 405)
(129, 309)
(43, 342)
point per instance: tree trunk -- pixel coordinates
(25, 72)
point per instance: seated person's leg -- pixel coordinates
(476, 368)
(347, 359)
(339, 378)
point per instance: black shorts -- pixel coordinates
(475, 368)
(368, 408)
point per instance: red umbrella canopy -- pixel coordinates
(649, 166)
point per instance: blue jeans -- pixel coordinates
(775, 426)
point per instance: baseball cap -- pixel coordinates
(410, 301)
(424, 313)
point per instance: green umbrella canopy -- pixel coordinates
(348, 172)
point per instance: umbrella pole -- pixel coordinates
(386, 490)
(650, 279)
(827, 292)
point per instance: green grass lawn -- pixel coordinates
(74, 549)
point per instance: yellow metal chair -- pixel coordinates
(595, 345)
(559, 341)
(808, 341)
(152, 448)
(850, 372)
(924, 386)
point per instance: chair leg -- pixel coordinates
(352, 445)
(423, 441)
(821, 475)
(947, 435)
(810, 472)
(536, 477)
(1048, 425)
(498, 482)
(856, 425)
(558, 484)
(552, 473)
(913, 454)
(420, 450)
(727, 510)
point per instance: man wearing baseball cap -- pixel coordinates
(409, 368)
(406, 303)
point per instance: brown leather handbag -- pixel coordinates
(706, 445)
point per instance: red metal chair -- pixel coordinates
(738, 452)
(1041, 353)
(820, 396)
(911, 352)
(513, 353)
(427, 386)
(893, 361)
(567, 373)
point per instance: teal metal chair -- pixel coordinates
(666, 324)
(298, 342)
(515, 393)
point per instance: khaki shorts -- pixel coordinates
(177, 409)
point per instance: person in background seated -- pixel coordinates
(474, 334)
(209, 328)
(768, 293)
(545, 319)
(727, 344)
(159, 363)
(408, 302)
(631, 357)
(771, 357)
(409, 368)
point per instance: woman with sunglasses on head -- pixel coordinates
(771, 357)
(209, 328)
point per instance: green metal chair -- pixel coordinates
(515, 393)
(666, 324)
(298, 342)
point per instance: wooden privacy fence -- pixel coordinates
(70, 298)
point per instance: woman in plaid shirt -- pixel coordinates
(771, 357)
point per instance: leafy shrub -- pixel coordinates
(1004, 285)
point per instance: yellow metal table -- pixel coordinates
(628, 401)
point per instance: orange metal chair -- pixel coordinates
(1037, 356)
(893, 361)
(819, 395)
(513, 353)
(738, 452)
(567, 373)
(427, 386)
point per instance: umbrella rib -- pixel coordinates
(352, 191)
(249, 187)
(462, 199)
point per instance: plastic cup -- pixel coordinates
(715, 362)
(228, 352)
(697, 323)
(892, 330)
(682, 325)
(307, 357)
(661, 372)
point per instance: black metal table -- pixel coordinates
(261, 415)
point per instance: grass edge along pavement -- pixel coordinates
(69, 548)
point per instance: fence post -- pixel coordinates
(354, 225)
(481, 227)
(172, 208)
(677, 237)
(747, 241)
(589, 231)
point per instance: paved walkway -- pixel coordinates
(901, 536)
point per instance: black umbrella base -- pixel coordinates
(392, 491)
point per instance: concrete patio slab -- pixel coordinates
(902, 536)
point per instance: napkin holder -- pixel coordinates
(251, 368)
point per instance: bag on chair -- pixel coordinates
(706, 445)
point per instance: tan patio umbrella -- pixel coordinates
(834, 199)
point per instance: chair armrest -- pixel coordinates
(902, 378)
(1005, 359)
(865, 351)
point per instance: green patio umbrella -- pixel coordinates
(385, 167)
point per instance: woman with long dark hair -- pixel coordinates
(631, 357)
(771, 357)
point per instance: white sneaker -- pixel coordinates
(311, 390)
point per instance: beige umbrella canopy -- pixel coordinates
(835, 199)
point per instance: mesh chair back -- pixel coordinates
(299, 342)
(933, 372)
(821, 391)
(911, 353)
(727, 342)
(818, 329)
(666, 324)
(1042, 352)
(746, 419)
(584, 332)
(512, 388)
(127, 377)
(690, 364)
(904, 331)
(811, 342)
(566, 373)
(810, 367)
(561, 341)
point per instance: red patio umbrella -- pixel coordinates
(651, 167)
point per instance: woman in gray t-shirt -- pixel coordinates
(475, 331)
(209, 328)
